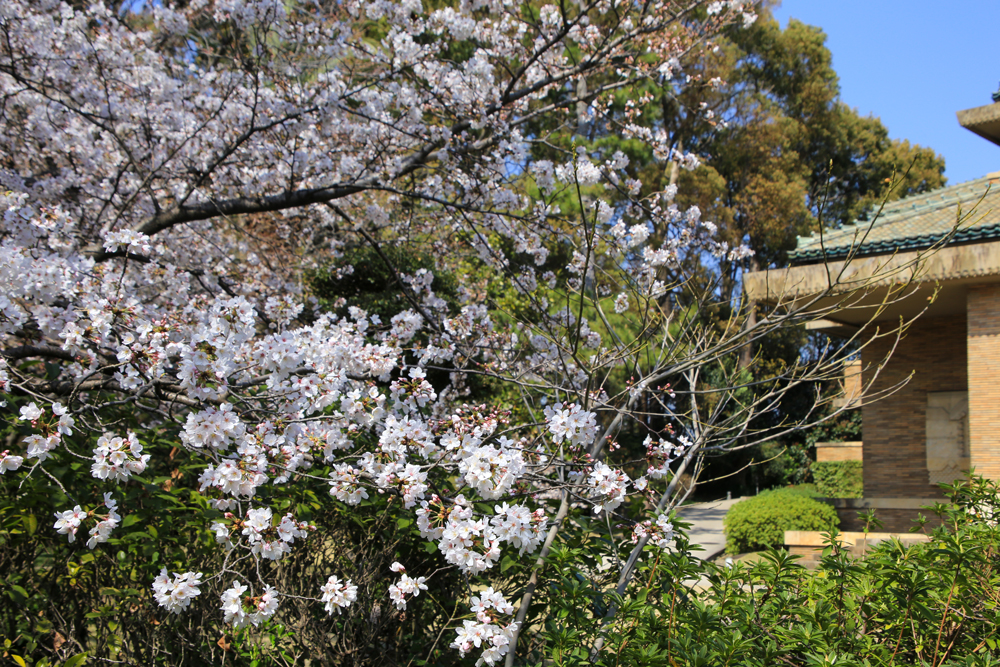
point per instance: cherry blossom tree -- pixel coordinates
(173, 176)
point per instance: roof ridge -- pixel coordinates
(947, 194)
(900, 209)
(918, 221)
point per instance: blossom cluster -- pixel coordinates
(175, 594)
(572, 423)
(338, 595)
(40, 446)
(406, 586)
(661, 453)
(607, 487)
(263, 537)
(117, 459)
(487, 632)
(69, 522)
(660, 533)
(241, 610)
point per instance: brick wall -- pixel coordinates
(893, 520)
(984, 379)
(895, 453)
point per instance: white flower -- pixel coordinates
(232, 604)
(176, 595)
(486, 632)
(344, 484)
(607, 487)
(68, 522)
(241, 610)
(130, 240)
(573, 424)
(117, 458)
(659, 534)
(404, 587)
(102, 530)
(40, 448)
(9, 462)
(31, 412)
(338, 595)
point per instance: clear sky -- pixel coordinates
(914, 64)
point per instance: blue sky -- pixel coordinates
(914, 64)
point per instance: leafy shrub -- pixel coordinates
(838, 479)
(808, 490)
(898, 605)
(61, 601)
(845, 427)
(760, 522)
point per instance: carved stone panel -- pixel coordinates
(947, 435)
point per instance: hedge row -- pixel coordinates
(838, 479)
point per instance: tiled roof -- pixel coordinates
(913, 223)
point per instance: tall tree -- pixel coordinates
(785, 154)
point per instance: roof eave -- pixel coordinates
(984, 121)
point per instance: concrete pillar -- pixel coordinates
(983, 303)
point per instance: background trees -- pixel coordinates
(786, 156)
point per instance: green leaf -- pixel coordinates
(17, 594)
(76, 660)
(403, 522)
(430, 547)
(19, 660)
(507, 563)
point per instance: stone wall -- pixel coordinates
(838, 451)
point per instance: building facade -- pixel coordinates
(930, 262)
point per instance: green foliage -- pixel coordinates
(376, 284)
(782, 465)
(760, 522)
(838, 479)
(845, 427)
(899, 605)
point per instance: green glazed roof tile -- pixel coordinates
(913, 223)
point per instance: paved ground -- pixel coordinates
(706, 525)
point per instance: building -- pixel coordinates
(939, 411)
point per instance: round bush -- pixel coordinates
(760, 522)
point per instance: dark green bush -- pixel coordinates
(760, 522)
(838, 479)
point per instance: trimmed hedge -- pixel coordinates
(760, 522)
(838, 479)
